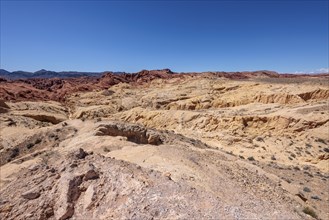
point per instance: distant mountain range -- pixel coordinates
(46, 74)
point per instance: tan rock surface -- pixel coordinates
(192, 147)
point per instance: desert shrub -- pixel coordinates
(308, 145)
(46, 156)
(251, 158)
(14, 152)
(29, 146)
(259, 139)
(105, 149)
(326, 150)
(311, 212)
(320, 140)
(306, 189)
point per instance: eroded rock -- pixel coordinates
(68, 194)
(31, 194)
(81, 154)
(91, 175)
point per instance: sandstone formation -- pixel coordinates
(162, 145)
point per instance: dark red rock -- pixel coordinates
(57, 89)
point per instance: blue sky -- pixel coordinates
(285, 36)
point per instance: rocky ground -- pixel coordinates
(160, 145)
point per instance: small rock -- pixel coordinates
(81, 154)
(168, 175)
(82, 188)
(306, 189)
(73, 165)
(301, 196)
(30, 215)
(52, 170)
(91, 175)
(31, 194)
(34, 167)
(3, 201)
(48, 187)
(49, 212)
(154, 139)
(51, 174)
(315, 197)
(91, 166)
(251, 158)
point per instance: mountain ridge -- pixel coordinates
(45, 74)
(20, 74)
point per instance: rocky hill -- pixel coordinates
(59, 89)
(162, 145)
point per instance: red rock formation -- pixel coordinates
(57, 89)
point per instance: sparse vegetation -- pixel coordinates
(326, 150)
(321, 141)
(308, 145)
(296, 168)
(311, 212)
(106, 149)
(150, 117)
(29, 145)
(14, 152)
(251, 158)
(46, 156)
(306, 189)
(308, 152)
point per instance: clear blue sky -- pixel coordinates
(281, 35)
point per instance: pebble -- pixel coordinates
(306, 189)
(315, 197)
